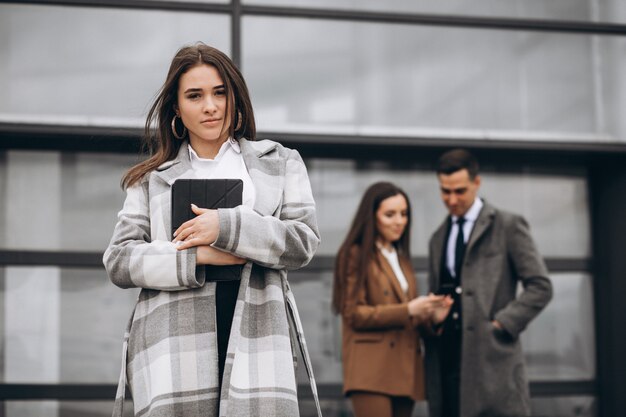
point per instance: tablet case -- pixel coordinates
(211, 194)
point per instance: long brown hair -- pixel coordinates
(363, 234)
(160, 141)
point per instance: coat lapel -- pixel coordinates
(483, 222)
(179, 167)
(407, 269)
(391, 277)
(267, 171)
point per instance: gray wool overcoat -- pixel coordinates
(500, 254)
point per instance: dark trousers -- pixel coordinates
(450, 365)
(225, 300)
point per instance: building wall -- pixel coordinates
(407, 89)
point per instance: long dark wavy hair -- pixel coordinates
(363, 234)
(158, 139)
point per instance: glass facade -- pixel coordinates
(560, 226)
(49, 74)
(101, 66)
(360, 79)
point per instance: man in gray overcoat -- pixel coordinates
(479, 255)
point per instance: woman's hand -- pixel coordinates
(201, 230)
(423, 306)
(441, 310)
(208, 255)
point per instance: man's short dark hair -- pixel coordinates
(456, 160)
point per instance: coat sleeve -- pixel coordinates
(133, 260)
(533, 274)
(360, 315)
(288, 241)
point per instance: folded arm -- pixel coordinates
(288, 241)
(132, 259)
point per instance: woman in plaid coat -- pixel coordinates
(201, 125)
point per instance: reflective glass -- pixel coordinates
(92, 65)
(542, 407)
(404, 80)
(585, 10)
(63, 325)
(554, 204)
(62, 409)
(55, 200)
(564, 407)
(81, 196)
(560, 343)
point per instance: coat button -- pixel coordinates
(386, 292)
(392, 343)
(455, 315)
(458, 290)
(469, 292)
(470, 328)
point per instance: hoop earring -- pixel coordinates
(174, 128)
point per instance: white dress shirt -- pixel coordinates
(470, 219)
(228, 163)
(392, 258)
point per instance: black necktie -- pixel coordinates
(459, 248)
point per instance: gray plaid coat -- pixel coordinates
(170, 346)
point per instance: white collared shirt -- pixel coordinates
(392, 258)
(228, 163)
(470, 219)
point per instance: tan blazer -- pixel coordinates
(381, 345)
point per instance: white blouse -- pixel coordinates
(392, 257)
(228, 163)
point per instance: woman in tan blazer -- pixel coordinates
(375, 291)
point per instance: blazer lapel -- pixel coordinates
(409, 273)
(388, 272)
(267, 173)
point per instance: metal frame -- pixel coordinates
(237, 9)
(94, 392)
(320, 263)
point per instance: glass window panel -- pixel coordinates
(330, 408)
(560, 226)
(92, 65)
(584, 10)
(81, 196)
(560, 343)
(362, 78)
(62, 409)
(564, 407)
(55, 200)
(63, 325)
